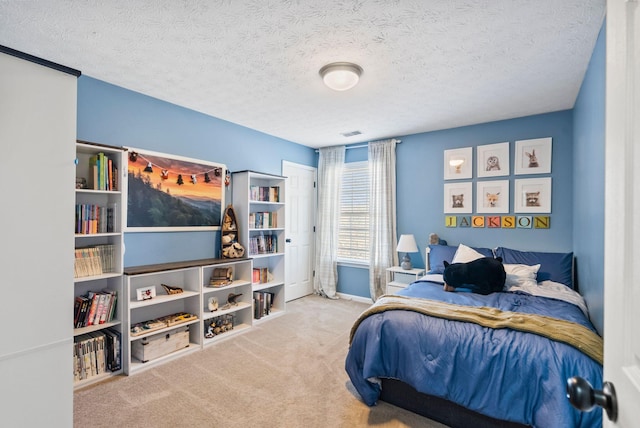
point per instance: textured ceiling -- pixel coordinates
(428, 64)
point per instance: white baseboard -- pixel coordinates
(355, 298)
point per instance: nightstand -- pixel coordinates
(398, 278)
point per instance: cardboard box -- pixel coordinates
(156, 346)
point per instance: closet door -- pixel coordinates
(37, 135)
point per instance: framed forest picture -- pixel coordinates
(173, 193)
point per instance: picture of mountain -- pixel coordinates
(167, 191)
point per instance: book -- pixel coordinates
(77, 304)
(84, 308)
(260, 275)
(258, 305)
(110, 306)
(94, 297)
(100, 309)
(112, 349)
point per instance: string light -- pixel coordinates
(164, 173)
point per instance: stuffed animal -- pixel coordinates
(483, 276)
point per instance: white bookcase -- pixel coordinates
(98, 246)
(193, 277)
(241, 313)
(161, 305)
(258, 201)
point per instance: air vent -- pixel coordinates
(351, 134)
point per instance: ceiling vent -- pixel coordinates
(351, 134)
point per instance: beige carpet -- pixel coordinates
(287, 372)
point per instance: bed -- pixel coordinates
(466, 359)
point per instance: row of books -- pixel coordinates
(104, 172)
(92, 219)
(94, 260)
(262, 303)
(96, 353)
(264, 193)
(97, 307)
(263, 220)
(261, 275)
(263, 244)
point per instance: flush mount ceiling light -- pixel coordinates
(341, 76)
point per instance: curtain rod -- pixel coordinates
(362, 145)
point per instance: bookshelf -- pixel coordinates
(258, 200)
(98, 265)
(226, 320)
(142, 313)
(150, 321)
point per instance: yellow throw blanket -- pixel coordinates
(567, 332)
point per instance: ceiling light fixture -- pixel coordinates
(341, 76)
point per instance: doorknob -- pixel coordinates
(583, 397)
(287, 240)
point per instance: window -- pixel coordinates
(353, 234)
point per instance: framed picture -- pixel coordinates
(492, 160)
(458, 197)
(532, 195)
(492, 196)
(173, 193)
(458, 163)
(533, 156)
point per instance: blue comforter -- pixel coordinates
(502, 373)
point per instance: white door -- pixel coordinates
(622, 210)
(300, 203)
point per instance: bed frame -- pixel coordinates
(438, 409)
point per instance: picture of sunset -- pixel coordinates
(173, 192)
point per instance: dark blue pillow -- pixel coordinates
(439, 253)
(556, 267)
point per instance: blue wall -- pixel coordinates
(420, 190)
(113, 115)
(588, 187)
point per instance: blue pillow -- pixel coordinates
(556, 267)
(439, 253)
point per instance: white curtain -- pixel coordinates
(330, 165)
(382, 210)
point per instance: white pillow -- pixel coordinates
(521, 275)
(465, 254)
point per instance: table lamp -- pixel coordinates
(406, 244)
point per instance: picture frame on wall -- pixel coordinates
(169, 193)
(492, 196)
(492, 160)
(458, 163)
(533, 156)
(532, 195)
(458, 198)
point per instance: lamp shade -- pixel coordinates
(407, 244)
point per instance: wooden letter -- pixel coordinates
(542, 222)
(477, 221)
(493, 221)
(509, 222)
(524, 222)
(465, 221)
(450, 221)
